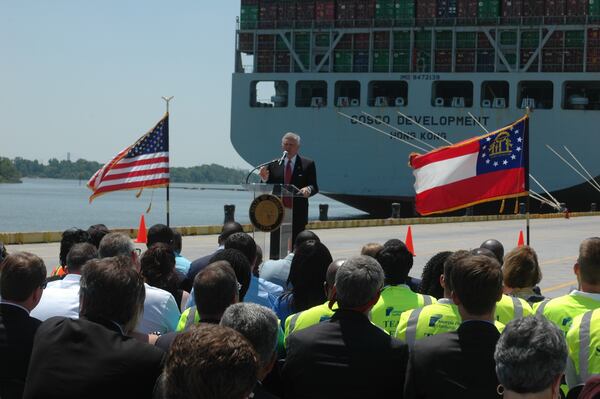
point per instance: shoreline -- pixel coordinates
(36, 237)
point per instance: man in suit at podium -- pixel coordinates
(298, 171)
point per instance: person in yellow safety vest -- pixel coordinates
(396, 297)
(562, 310)
(437, 318)
(583, 341)
(319, 313)
(508, 307)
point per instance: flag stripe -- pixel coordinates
(136, 168)
(129, 175)
(129, 186)
(464, 148)
(482, 188)
(445, 172)
(143, 159)
(133, 179)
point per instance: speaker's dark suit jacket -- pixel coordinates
(303, 175)
(457, 364)
(345, 357)
(81, 358)
(17, 330)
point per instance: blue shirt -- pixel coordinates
(277, 271)
(182, 264)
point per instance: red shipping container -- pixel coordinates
(593, 40)
(525, 56)
(552, 60)
(554, 8)
(482, 40)
(282, 61)
(264, 62)
(345, 13)
(345, 42)
(361, 41)
(266, 42)
(364, 13)
(555, 41)
(512, 8)
(246, 42)
(426, 12)
(533, 8)
(443, 61)
(249, 2)
(324, 13)
(381, 40)
(577, 8)
(465, 57)
(573, 60)
(305, 14)
(267, 16)
(286, 14)
(593, 60)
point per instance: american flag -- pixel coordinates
(482, 169)
(144, 164)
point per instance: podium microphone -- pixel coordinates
(282, 157)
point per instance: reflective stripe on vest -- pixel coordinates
(427, 300)
(293, 321)
(540, 309)
(411, 327)
(584, 345)
(518, 308)
(190, 318)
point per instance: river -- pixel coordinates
(55, 205)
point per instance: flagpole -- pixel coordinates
(167, 99)
(526, 145)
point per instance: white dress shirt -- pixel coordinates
(161, 312)
(60, 298)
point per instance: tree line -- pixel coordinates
(11, 171)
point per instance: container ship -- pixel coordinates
(321, 67)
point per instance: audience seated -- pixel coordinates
(583, 340)
(371, 249)
(307, 274)
(182, 264)
(209, 362)
(97, 233)
(61, 297)
(522, 273)
(22, 281)
(562, 310)
(216, 288)
(260, 327)
(396, 297)
(161, 313)
(319, 313)
(229, 228)
(157, 266)
(460, 364)
(93, 356)
(3, 251)
(530, 359)
(347, 356)
(432, 272)
(495, 247)
(278, 271)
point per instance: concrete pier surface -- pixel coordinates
(556, 242)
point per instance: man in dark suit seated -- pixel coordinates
(22, 282)
(300, 172)
(93, 356)
(460, 364)
(347, 356)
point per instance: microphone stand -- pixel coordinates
(260, 166)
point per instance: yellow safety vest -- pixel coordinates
(510, 307)
(394, 300)
(307, 318)
(562, 310)
(583, 341)
(185, 321)
(438, 318)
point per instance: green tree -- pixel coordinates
(8, 171)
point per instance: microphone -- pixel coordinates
(282, 158)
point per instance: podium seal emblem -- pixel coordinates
(266, 212)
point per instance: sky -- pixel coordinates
(86, 77)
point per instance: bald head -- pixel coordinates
(496, 247)
(330, 275)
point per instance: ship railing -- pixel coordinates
(417, 22)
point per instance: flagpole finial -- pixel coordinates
(167, 99)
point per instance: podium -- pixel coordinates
(268, 214)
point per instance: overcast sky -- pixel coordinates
(86, 77)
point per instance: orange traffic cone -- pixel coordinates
(142, 237)
(409, 241)
(521, 241)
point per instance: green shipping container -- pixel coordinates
(443, 40)
(530, 39)
(401, 40)
(405, 11)
(422, 61)
(322, 39)
(301, 41)
(466, 39)
(342, 61)
(249, 17)
(574, 38)
(384, 9)
(594, 9)
(511, 58)
(508, 38)
(401, 61)
(280, 44)
(304, 58)
(381, 61)
(423, 40)
(488, 8)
